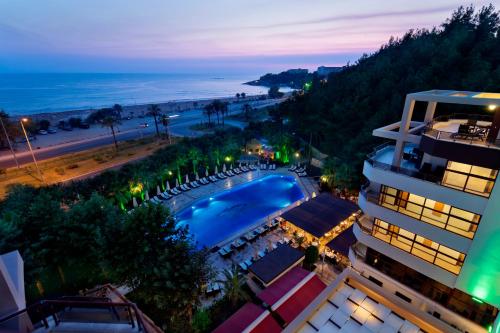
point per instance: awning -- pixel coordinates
(292, 307)
(320, 214)
(343, 242)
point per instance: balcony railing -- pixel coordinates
(452, 136)
(371, 159)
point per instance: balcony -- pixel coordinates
(462, 128)
(408, 177)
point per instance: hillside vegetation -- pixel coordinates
(462, 54)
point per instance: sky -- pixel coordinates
(201, 35)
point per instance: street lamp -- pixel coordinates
(24, 120)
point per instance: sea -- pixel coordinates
(40, 93)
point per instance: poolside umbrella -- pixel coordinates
(239, 165)
(134, 202)
(146, 197)
(224, 168)
(206, 172)
(197, 177)
(158, 192)
(232, 166)
(187, 179)
(216, 170)
(168, 186)
(176, 182)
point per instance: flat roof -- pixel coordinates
(283, 285)
(241, 319)
(320, 214)
(273, 264)
(457, 97)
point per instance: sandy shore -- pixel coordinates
(136, 110)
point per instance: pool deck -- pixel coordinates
(181, 201)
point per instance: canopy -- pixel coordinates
(320, 214)
(343, 242)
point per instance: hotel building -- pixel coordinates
(431, 226)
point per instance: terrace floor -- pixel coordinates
(386, 154)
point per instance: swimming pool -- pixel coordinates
(213, 219)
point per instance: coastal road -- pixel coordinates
(179, 126)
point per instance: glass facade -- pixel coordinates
(469, 178)
(439, 214)
(419, 246)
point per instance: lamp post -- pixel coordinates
(8, 141)
(31, 150)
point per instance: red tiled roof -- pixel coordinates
(284, 284)
(300, 299)
(241, 319)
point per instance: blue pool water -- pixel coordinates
(211, 220)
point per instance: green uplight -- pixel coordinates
(227, 158)
(475, 299)
(307, 86)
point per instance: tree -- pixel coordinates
(208, 110)
(163, 267)
(44, 124)
(238, 96)
(155, 110)
(243, 95)
(12, 128)
(117, 108)
(311, 256)
(233, 284)
(165, 120)
(194, 155)
(111, 122)
(274, 92)
(247, 109)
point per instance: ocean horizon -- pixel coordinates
(22, 94)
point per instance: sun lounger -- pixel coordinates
(243, 266)
(248, 262)
(154, 200)
(239, 243)
(275, 223)
(302, 174)
(260, 230)
(252, 167)
(165, 196)
(221, 175)
(244, 169)
(175, 191)
(300, 170)
(237, 170)
(194, 184)
(292, 168)
(250, 236)
(225, 251)
(213, 179)
(204, 181)
(184, 187)
(160, 197)
(213, 287)
(261, 254)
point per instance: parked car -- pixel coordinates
(144, 125)
(43, 132)
(52, 130)
(84, 125)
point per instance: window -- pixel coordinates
(419, 246)
(433, 212)
(470, 178)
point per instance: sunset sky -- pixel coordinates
(192, 35)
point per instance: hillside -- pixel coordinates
(463, 54)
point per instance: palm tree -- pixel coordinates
(247, 108)
(224, 109)
(243, 95)
(194, 154)
(233, 284)
(155, 110)
(208, 110)
(118, 110)
(165, 120)
(111, 122)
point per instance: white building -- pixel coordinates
(431, 229)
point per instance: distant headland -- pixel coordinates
(293, 78)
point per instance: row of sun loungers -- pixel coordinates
(300, 171)
(250, 236)
(268, 166)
